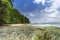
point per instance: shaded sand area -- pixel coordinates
(28, 32)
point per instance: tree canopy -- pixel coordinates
(9, 15)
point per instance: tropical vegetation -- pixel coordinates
(10, 15)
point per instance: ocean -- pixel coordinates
(46, 24)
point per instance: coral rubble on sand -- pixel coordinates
(29, 33)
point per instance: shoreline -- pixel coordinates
(34, 25)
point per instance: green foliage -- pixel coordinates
(10, 15)
(15, 17)
(49, 33)
(2, 9)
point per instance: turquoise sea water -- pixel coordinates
(46, 24)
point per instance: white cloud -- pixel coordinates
(38, 1)
(49, 14)
(54, 14)
(32, 15)
(55, 4)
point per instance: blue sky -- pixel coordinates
(39, 11)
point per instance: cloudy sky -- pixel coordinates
(39, 11)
